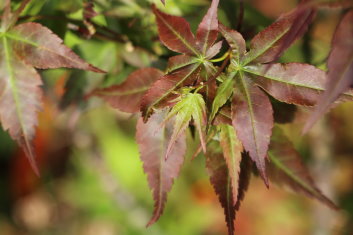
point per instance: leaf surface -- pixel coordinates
(272, 41)
(38, 46)
(286, 168)
(232, 150)
(252, 118)
(340, 68)
(175, 33)
(20, 99)
(192, 106)
(161, 92)
(153, 141)
(292, 83)
(224, 92)
(127, 96)
(220, 180)
(207, 31)
(235, 41)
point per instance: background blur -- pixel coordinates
(92, 180)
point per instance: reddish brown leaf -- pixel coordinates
(303, 17)
(180, 61)
(292, 83)
(38, 46)
(340, 68)
(20, 99)
(214, 50)
(162, 90)
(10, 18)
(235, 41)
(220, 180)
(267, 45)
(207, 31)
(153, 141)
(127, 96)
(252, 117)
(175, 33)
(286, 169)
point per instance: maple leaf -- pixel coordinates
(23, 48)
(232, 149)
(340, 68)
(190, 106)
(287, 169)
(127, 96)
(153, 143)
(220, 178)
(252, 112)
(175, 33)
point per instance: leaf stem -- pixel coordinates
(223, 57)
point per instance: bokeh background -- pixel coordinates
(92, 182)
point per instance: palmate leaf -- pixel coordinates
(221, 181)
(127, 96)
(286, 169)
(191, 106)
(23, 47)
(153, 142)
(252, 118)
(340, 68)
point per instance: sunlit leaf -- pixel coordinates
(191, 106)
(153, 141)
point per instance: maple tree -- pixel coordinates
(227, 100)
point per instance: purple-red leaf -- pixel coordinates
(20, 99)
(180, 61)
(267, 45)
(162, 90)
(153, 141)
(235, 41)
(127, 96)
(286, 168)
(175, 33)
(292, 83)
(38, 46)
(252, 117)
(207, 31)
(220, 180)
(340, 68)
